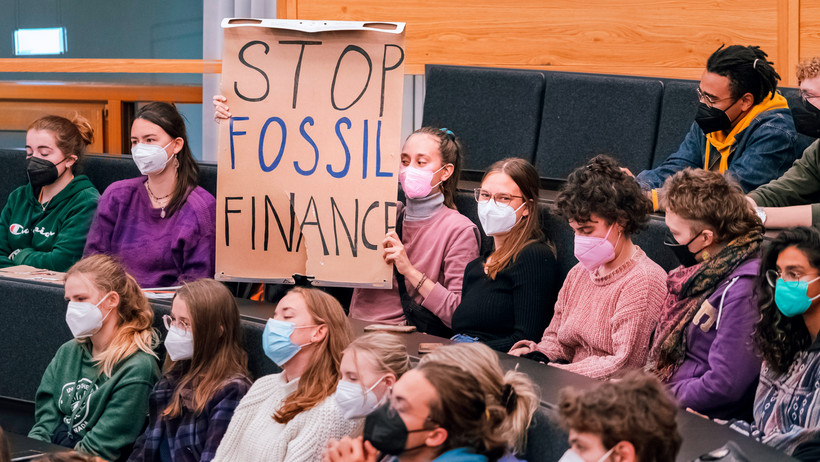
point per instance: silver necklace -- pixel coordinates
(157, 199)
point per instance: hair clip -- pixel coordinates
(448, 131)
(754, 64)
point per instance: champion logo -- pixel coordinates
(17, 229)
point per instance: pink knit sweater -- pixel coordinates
(602, 324)
(440, 247)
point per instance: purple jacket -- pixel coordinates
(158, 252)
(718, 376)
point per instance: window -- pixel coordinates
(42, 41)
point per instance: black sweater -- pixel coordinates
(517, 305)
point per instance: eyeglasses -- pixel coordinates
(169, 321)
(482, 195)
(773, 275)
(806, 96)
(708, 100)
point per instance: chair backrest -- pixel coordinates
(495, 112)
(14, 172)
(678, 108)
(546, 440)
(792, 95)
(587, 114)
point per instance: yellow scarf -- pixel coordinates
(723, 143)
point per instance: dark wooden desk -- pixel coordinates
(25, 448)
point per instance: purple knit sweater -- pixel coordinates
(158, 252)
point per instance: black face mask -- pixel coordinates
(682, 253)
(41, 172)
(712, 119)
(387, 432)
(806, 118)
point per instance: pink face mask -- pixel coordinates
(416, 182)
(593, 252)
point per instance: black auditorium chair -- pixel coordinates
(495, 112)
(587, 114)
(546, 440)
(678, 108)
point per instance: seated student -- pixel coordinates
(631, 419)
(742, 126)
(437, 413)
(513, 390)
(370, 366)
(432, 244)
(162, 226)
(610, 301)
(702, 348)
(786, 411)
(794, 198)
(44, 223)
(291, 415)
(206, 375)
(508, 294)
(94, 393)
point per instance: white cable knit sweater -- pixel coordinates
(253, 435)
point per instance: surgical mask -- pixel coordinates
(685, 256)
(276, 341)
(792, 297)
(593, 252)
(496, 218)
(355, 402)
(712, 119)
(386, 431)
(415, 182)
(150, 158)
(41, 172)
(179, 344)
(85, 319)
(572, 456)
(806, 119)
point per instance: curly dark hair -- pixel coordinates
(713, 199)
(747, 69)
(601, 188)
(636, 408)
(780, 338)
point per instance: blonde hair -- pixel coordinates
(387, 352)
(322, 375)
(513, 395)
(134, 315)
(809, 68)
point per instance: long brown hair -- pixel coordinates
(451, 152)
(135, 316)
(322, 375)
(527, 229)
(170, 120)
(218, 352)
(512, 395)
(71, 136)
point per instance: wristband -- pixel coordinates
(423, 278)
(654, 200)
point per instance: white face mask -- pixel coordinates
(85, 319)
(496, 218)
(150, 158)
(354, 402)
(179, 344)
(572, 456)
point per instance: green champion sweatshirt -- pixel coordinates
(50, 237)
(800, 185)
(108, 413)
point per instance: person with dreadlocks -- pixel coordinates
(703, 348)
(743, 125)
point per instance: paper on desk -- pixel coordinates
(30, 273)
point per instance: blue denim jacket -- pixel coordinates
(761, 153)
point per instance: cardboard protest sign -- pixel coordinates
(308, 162)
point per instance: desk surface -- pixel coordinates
(25, 448)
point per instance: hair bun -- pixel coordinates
(509, 398)
(84, 127)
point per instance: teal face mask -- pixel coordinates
(792, 297)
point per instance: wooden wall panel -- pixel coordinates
(809, 28)
(646, 37)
